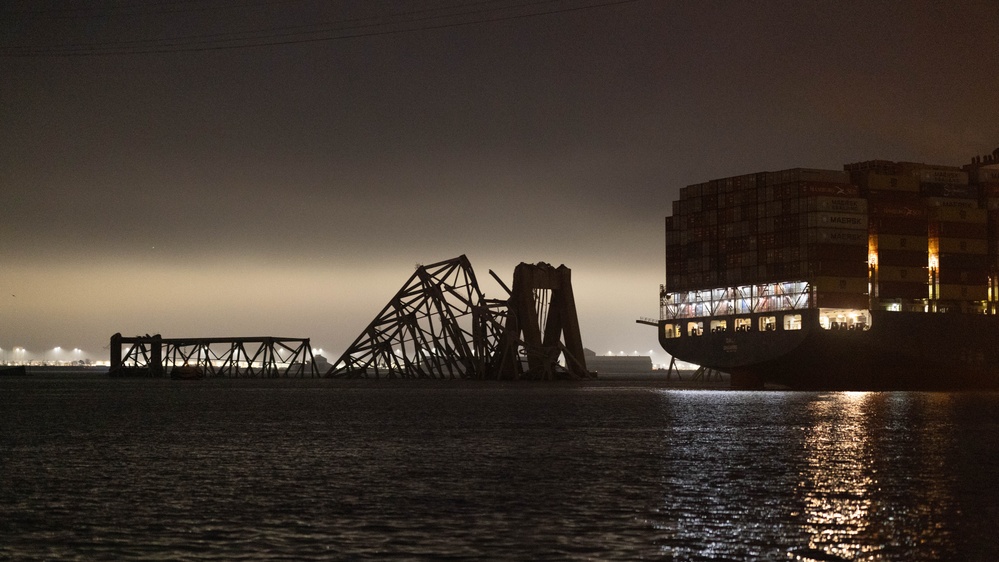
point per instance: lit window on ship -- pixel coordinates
(768, 323)
(792, 321)
(844, 319)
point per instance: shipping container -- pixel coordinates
(949, 190)
(901, 290)
(746, 182)
(957, 214)
(836, 236)
(841, 300)
(836, 220)
(807, 175)
(940, 229)
(771, 208)
(898, 274)
(873, 181)
(962, 245)
(962, 292)
(900, 242)
(814, 189)
(941, 175)
(857, 285)
(905, 258)
(985, 174)
(703, 233)
(858, 169)
(990, 190)
(834, 252)
(902, 207)
(947, 276)
(951, 202)
(828, 268)
(962, 261)
(690, 206)
(834, 204)
(898, 225)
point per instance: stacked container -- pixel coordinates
(897, 244)
(711, 237)
(823, 211)
(900, 233)
(768, 227)
(984, 174)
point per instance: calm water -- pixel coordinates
(94, 468)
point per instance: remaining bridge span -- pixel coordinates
(252, 357)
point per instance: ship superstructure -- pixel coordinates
(881, 275)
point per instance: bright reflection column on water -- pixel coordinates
(875, 481)
(838, 477)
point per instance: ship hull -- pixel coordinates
(900, 351)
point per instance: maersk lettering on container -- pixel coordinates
(837, 236)
(837, 220)
(836, 204)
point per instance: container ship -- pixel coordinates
(880, 276)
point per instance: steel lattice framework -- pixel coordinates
(440, 325)
(260, 357)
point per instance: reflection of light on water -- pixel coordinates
(875, 477)
(839, 477)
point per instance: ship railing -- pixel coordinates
(742, 299)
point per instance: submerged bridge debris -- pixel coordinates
(254, 357)
(440, 325)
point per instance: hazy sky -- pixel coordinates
(288, 189)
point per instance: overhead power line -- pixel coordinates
(458, 15)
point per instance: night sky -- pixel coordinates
(155, 180)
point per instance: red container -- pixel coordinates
(953, 276)
(842, 300)
(962, 262)
(940, 229)
(830, 268)
(899, 225)
(963, 292)
(949, 190)
(835, 252)
(811, 189)
(903, 258)
(901, 290)
(902, 207)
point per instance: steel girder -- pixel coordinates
(440, 325)
(254, 357)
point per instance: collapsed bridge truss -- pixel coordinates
(254, 357)
(440, 325)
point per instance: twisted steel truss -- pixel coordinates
(440, 325)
